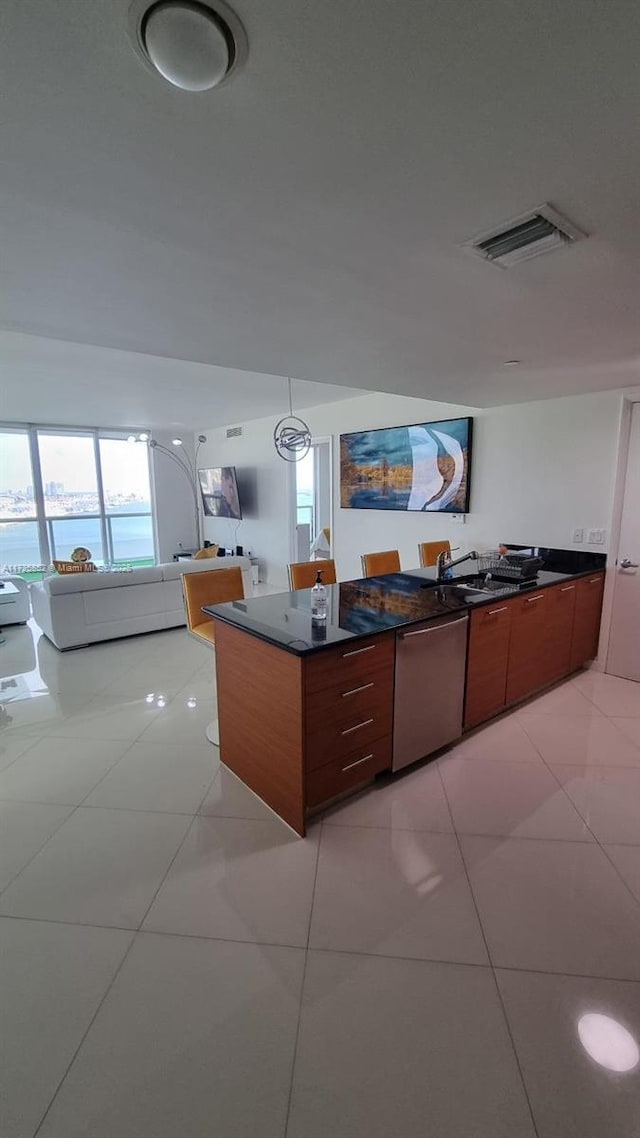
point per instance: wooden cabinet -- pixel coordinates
(586, 627)
(351, 665)
(560, 615)
(348, 771)
(528, 642)
(487, 662)
(348, 709)
(528, 657)
(302, 730)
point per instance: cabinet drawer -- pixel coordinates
(372, 692)
(349, 665)
(334, 740)
(347, 772)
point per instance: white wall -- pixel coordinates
(262, 485)
(174, 512)
(539, 470)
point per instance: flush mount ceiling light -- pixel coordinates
(193, 45)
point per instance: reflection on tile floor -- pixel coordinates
(455, 951)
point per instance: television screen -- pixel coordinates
(426, 466)
(220, 492)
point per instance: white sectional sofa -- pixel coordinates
(77, 609)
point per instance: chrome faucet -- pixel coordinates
(444, 562)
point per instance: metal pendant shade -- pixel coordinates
(291, 436)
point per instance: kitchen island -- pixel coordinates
(309, 711)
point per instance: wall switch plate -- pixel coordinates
(596, 537)
(578, 535)
(459, 518)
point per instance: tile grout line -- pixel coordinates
(39, 850)
(601, 845)
(74, 809)
(188, 830)
(491, 964)
(431, 960)
(134, 937)
(26, 752)
(302, 983)
(86, 1032)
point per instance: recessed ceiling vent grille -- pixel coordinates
(234, 432)
(530, 235)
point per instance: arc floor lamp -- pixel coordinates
(188, 467)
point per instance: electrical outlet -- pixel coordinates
(578, 535)
(596, 537)
(459, 518)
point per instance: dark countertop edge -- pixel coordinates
(311, 650)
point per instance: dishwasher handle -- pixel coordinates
(438, 627)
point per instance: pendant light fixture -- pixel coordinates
(292, 437)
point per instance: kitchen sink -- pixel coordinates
(465, 585)
(476, 583)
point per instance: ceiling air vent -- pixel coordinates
(234, 432)
(541, 231)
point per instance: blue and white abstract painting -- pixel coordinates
(426, 466)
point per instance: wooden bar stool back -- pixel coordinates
(213, 587)
(302, 574)
(377, 564)
(428, 551)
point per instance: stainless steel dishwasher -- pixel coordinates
(429, 693)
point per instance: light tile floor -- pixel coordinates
(427, 963)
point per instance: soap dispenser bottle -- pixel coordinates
(319, 599)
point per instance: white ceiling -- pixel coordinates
(53, 381)
(306, 218)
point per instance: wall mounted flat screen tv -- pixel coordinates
(219, 488)
(426, 466)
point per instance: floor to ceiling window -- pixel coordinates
(63, 488)
(19, 541)
(127, 499)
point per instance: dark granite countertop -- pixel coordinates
(368, 606)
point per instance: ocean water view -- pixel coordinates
(132, 539)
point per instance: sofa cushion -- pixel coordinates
(86, 582)
(103, 606)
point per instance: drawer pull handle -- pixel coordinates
(357, 763)
(357, 651)
(567, 588)
(494, 612)
(594, 580)
(365, 723)
(354, 691)
(540, 597)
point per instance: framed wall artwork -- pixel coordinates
(422, 467)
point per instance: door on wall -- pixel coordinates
(623, 657)
(311, 503)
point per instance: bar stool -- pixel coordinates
(428, 552)
(377, 564)
(302, 574)
(213, 587)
